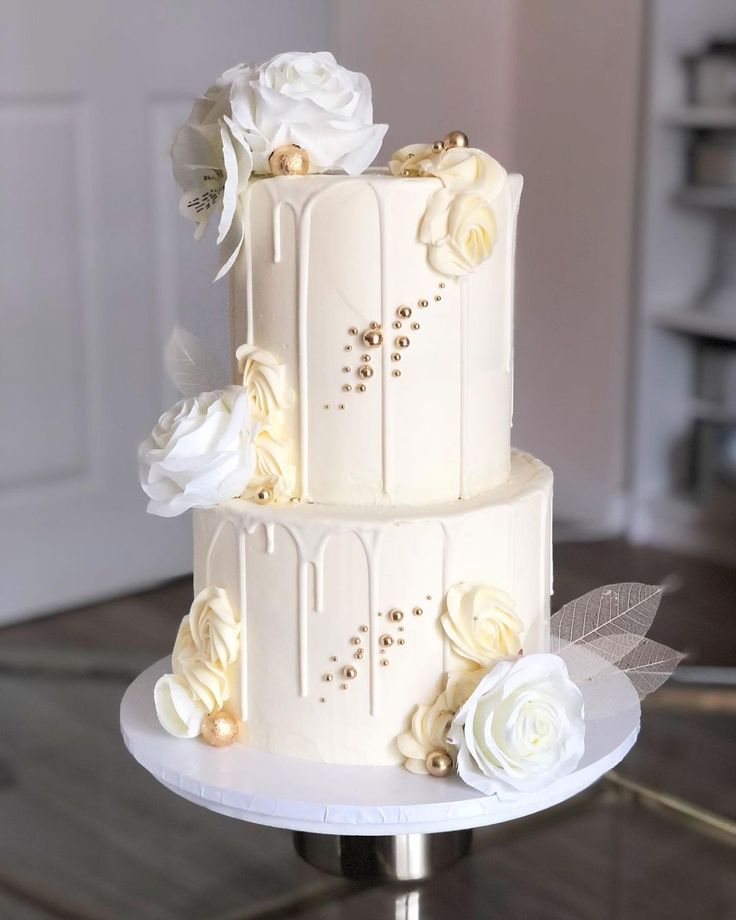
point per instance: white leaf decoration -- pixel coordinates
(649, 665)
(606, 612)
(599, 657)
(191, 366)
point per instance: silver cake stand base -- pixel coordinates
(355, 821)
(393, 857)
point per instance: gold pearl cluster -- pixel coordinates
(346, 672)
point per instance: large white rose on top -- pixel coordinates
(480, 622)
(200, 453)
(212, 164)
(460, 231)
(522, 727)
(309, 100)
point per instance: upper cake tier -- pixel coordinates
(401, 367)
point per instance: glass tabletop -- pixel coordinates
(86, 833)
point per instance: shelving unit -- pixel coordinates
(686, 310)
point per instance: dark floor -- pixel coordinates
(86, 833)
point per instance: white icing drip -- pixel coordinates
(319, 571)
(464, 377)
(303, 627)
(242, 606)
(268, 530)
(371, 540)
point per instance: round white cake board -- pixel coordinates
(253, 785)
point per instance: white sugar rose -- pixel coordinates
(265, 380)
(213, 627)
(481, 624)
(273, 469)
(522, 727)
(208, 682)
(466, 169)
(460, 231)
(178, 709)
(212, 164)
(200, 453)
(309, 100)
(431, 724)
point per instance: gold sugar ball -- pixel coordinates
(439, 763)
(402, 341)
(396, 372)
(219, 729)
(364, 628)
(395, 356)
(327, 678)
(395, 615)
(289, 160)
(349, 672)
(386, 641)
(372, 338)
(455, 139)
(415, 326)
(402, 641)
(356, 640)
(417, 611)
(404, 311)
(361, 387)
(384, 662)
(423, 303)
(264, 496)
(438, 146)
(396, 324)
(359, 654)
(365, 371)
(353, 330)
(365, 359)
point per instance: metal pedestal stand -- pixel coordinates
(396, 858)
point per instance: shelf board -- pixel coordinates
(701, 116)
(706, 196)
(702, 323)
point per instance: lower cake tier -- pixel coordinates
(340, 608)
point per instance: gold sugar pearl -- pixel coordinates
(438, 146)
(375, 325)
(219, 729)
(359, 654)
(386, 641)
(333, 657)
(372, 338)
(348, 348)
(364, 629)
(341, 406)
(396, 324)
(356, 640)
(415, 326)
(417, 611)
(396, 356)
(322, 699)
(439, 763)
(349, 672)
(429, 597)
(353, 330)
(442, 284)
(396, 373)
(423, 303)
(347, 387)
(405, 172)
(264, 496)
(365, 359)
(404, 311)
(395, 615)
(346, 370)
(361, 387)
(437, 298)
(326, 406)
(402, 641)
(403, 341)
(343, 686)
(455, 139)
(327, 678)
(401, 628)
(365, 371)
(384, 662)
(289, 160)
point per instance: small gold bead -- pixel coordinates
(442, 284)
(341, 406)
(437, 298)
(347, 387)
(375, 325)
(384, 662)
(429, 597)
(333, 657)
(405, 172)
(417, 611)
(396, 324)
(289, 160)
(395, 615)
(415, 326)
(343, 686)
(396, 356)
(322, 699)
(423, 303)
(372, 338)
(439, 763)
(348, 348)
(386, 641)
(264, 496)
(404, 311)
(353, 330)
(326, 406)
(396, 372)
(455, 139)
(364, 629)
(356, 640)
(219, 729)
(402, 641)
(361, 387)
(346, 370)
(402, 341)
(349, 672)
(359, 654)
(327, 678)
(401, 628)
(438, 146)
(365, 359)
(365, 371)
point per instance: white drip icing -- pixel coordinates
(268, 528)
(371, 540)
(464, 383)
(242, 606)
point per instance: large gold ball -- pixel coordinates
(219, 729)
(386, 641)
(439, 763)
(372, 338)
(395, 615)
(455, 139)
(349, 672)
(365, 371)
(289, 160)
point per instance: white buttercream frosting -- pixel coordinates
(179, 709)
(265, 380)
(521, 728)
(213, 627)
(200, 453)
(481, 623)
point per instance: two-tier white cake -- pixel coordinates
(366, 543)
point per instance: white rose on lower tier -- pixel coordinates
(466, 169)
(460, 231)
(200, 453)
(480, 622)
(178, 708)
(522, 727)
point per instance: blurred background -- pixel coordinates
(622, 118)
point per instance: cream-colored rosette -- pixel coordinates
(208, 641)
(459, 224)
(481, 624)
(264, 380)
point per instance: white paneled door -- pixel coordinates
(95, 267)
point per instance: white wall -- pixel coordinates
(551, 89)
